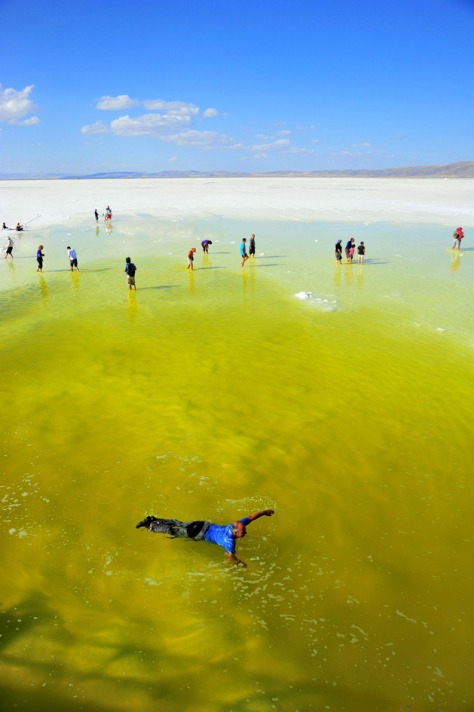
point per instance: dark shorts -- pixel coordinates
(73, 263)
(9, 250)
(182, 530)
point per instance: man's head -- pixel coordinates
(239, 529)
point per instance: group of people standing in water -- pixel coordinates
(244, 256)
(350, 250)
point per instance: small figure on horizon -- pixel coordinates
(19, 227)
(252, 246)
(130, 270)
(205, 245)
(108, 213)
(96, 215)
(4, 227)
(457, 237)
(361, 253)
(39, 258)
(72, 258)
(191, 258)
(338, 251)
(243, 251)
(9, 247)
(222, 535)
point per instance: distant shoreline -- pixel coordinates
(460, 170)
(252, 199)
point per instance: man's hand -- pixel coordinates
(264, 513)
(235, 560)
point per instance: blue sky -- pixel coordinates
(234, 85)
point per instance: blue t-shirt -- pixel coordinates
(221, 534)
(243, 249)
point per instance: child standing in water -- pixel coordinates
(243, 251)
(130, 270)
(191, 257)
(352, 250)
(361, 253)
(39, 258)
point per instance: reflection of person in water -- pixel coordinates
(222, 535)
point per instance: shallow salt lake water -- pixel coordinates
(212, 395)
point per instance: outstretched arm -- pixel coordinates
(257, 515)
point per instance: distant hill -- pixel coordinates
(464, 169)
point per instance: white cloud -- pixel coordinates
(167, 120)
(175, 108)
(28, 122)
(14, 105)
(148, 124)
(111, 103)
(202, 139)
(98, 127)
(211, 113)
(285, 132)
(283, 144)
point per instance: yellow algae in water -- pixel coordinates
(211, 398)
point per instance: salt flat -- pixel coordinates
(446, 202)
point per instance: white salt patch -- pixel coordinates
(323, 304)
(367, 200)
(152, 582)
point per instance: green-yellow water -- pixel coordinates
(211, 395)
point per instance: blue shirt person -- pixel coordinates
(243, 251)
(222, 535)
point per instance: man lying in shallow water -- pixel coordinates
(222, 535)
